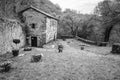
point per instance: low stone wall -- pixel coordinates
(86, 41)
(66, 36)
(92, 42)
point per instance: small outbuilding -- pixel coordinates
(41, 27)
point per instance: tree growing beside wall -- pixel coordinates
(109, 10)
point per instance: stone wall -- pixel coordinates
(9, 30)
(39, 29)
(51, 29)
(33, 17)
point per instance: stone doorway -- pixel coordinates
(34, 41)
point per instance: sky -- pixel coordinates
(84, 6)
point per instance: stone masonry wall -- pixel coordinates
(51, 29)
(33, 17)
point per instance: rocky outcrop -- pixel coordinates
(10, 30)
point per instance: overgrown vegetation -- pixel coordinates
(109, 10)
(100, 26)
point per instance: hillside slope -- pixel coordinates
(9, 8)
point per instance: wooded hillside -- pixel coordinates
(9, 8)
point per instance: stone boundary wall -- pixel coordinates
(84, 40)
(91, 42)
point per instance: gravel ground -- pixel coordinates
(72, 64)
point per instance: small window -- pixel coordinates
(33, 25)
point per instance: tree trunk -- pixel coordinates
(107, 34)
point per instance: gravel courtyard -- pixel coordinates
(92, 63)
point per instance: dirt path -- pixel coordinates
(72, 64)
